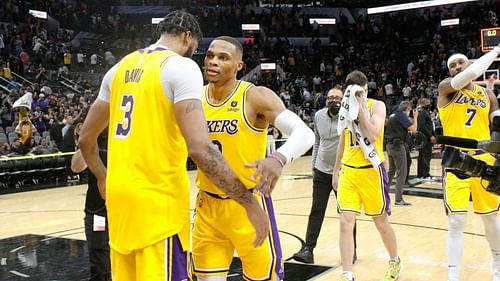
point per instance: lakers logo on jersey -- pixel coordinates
(479, 101)
(223, 126)
(230, 128)
(467, 114)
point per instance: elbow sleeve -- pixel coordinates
(300, 136)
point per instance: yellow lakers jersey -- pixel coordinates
(26, 132)
(467, 114)
(147, 184)
(230, 130)
(353, 155)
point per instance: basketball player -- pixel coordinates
(465, 111)
(96, 226)
(152, 101)
(238, 114)
(359, 184)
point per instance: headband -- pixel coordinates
(455, 57)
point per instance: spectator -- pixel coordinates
(25, 129)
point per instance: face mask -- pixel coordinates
(333, 108)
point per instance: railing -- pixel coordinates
(22, 78)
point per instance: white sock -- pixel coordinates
(455, 244)
(492, 231)
(348, 274)
(397, 259)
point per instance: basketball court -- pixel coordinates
(42, 235)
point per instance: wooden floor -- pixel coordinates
(420, 230)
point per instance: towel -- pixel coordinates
(348, 116)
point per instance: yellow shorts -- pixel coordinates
(220, 227)
(165, 261)
(364, 187)
(457, 192)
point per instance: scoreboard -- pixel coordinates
(490, 38)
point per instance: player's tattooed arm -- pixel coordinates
(206, 155)
(215, 168)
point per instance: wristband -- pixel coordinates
(275, 157)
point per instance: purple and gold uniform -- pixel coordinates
(361, 184)
(221, 225)
(467, 116)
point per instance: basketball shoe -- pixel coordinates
(393, 272)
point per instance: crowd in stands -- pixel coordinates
(403, 54)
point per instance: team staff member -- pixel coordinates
(96, 225)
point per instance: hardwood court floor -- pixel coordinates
(421, 229)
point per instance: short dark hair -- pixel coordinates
(233, 41)
(178, 22)
(404, 105)
(356, 77)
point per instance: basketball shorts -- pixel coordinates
(222, 226)
(366, 188)
(458, 191)
(165, 260)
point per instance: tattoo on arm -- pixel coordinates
(216, 169)
(194, 105)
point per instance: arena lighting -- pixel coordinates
(38, 14)
(450, 22)
(323, 21)
(414, 5)
(156, 20)
(250, 26)
(268, 66)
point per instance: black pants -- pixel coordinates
(424, 160)
(98, 246)
(397, 164)
(322, 187)
(408, 161)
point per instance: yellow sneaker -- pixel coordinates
(346, 279)
(393, 272)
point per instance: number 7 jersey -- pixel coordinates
(467, 114)
(231, 131)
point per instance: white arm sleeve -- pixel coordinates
(300, 137)
(181, 79)
(105, 89)
(474, 70)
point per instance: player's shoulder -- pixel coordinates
(321, 112)
(378, 103)
(180, 61)
(259, 91)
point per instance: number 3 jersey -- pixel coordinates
(147, 184)
(467, 114)
(231, 131)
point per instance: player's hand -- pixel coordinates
(101, 184)
(335, 180)
(268, 172)
(433, 140)
(260, 222)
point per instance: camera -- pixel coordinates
(463, 165)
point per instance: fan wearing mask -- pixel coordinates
(323, 161)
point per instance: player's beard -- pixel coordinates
(189, 52)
